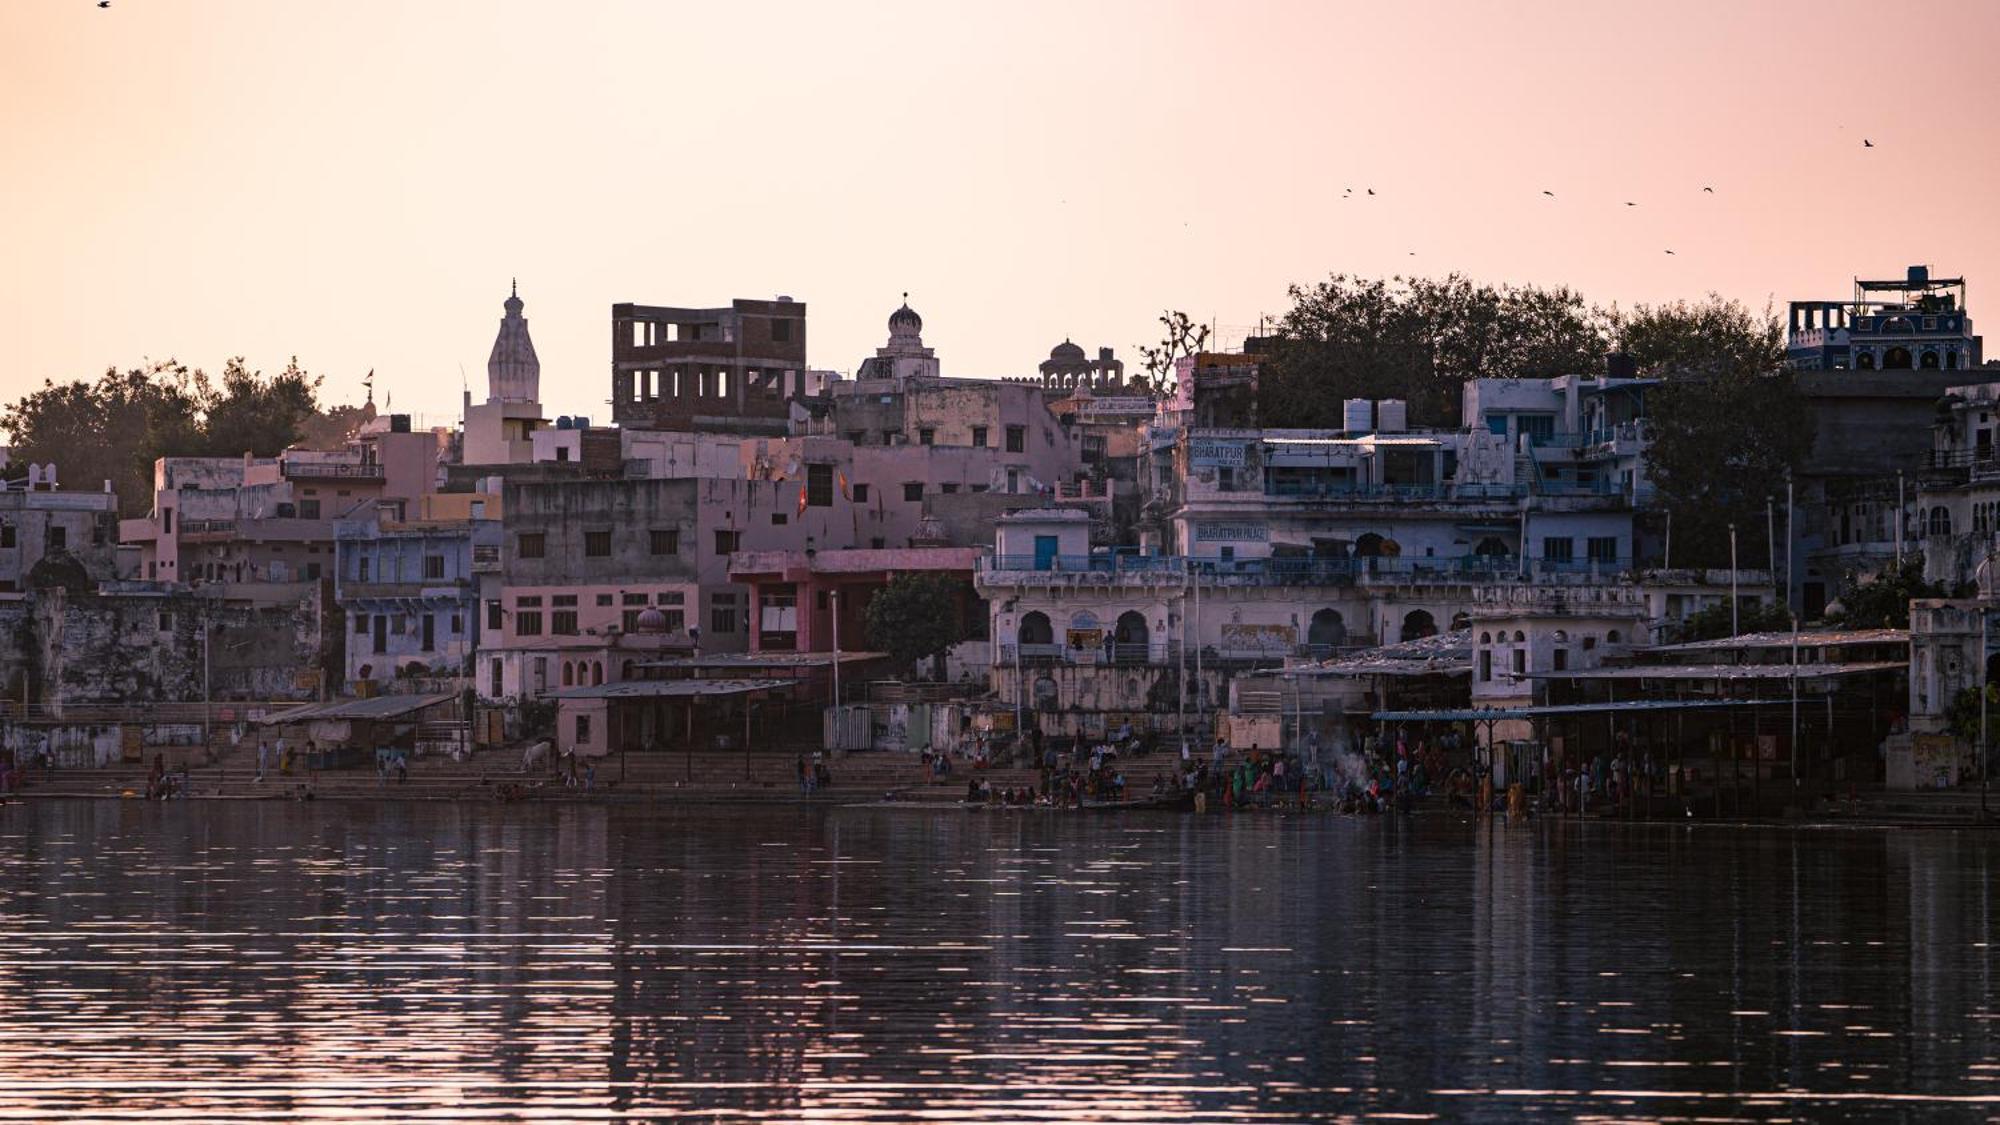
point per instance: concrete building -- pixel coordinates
(904, 356)
(500, 430)
(804, 600)
(1916, 322)
(410, 592)
(46, 533)
(737, 369)
(1069, 369)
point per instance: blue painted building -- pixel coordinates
(410, 593)
(1915, 323)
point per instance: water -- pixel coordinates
(272, 962)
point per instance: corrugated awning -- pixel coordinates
(671, 689)
(378, 709)
(1489, 714)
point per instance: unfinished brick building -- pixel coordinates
(734, 369)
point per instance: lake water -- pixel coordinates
(270, 962)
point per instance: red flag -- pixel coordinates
(802, 499)
(845, 494)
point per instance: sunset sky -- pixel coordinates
(355, 182)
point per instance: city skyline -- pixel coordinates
(1041, 175)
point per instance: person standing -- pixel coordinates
(263, 757)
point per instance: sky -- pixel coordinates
(355, 183)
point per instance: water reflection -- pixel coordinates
(335, 962)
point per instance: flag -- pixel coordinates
(802, 499)
(845, 494)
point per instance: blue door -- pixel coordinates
(1045, 552)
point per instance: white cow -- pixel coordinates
(536, 756)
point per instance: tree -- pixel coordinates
(1883, 602)
(1182, 339)
(1419, 339)
(112, 429)
(917, 615)
(115, 428)
(1728, 423)
(248, 413)
(1716, 621)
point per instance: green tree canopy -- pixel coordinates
(115, 428)
(917, 615)
(1883, 602)
(1729, 425)
(1418, 339)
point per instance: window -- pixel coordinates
(979, 437)
(914, 490)
(722, 614)
(562, 452)
(948, 487)
(308, 509)
(1561, 658)
(1539, 428)
(926, 436)
(781, 331)
(1225, 479)
(428, 633)
(495, 617)
(1013, 480)
(312, 572)
(728, 541)
(531, 545)
(877, 543)
(433, 566)
(979, 488)
(1940, 521)
(1603, 548)
(860, 492)
(495, 683)
(528, 623)
(58, 537)
(597, 544)
(629, 620)
(1486, 665)
(582, 730)
(780, 519)
(563, 601)
(676, 620)
(360, 624)
(1520, 661)
(634, 599)
(666, 541)
(562, 623)
(605, 599)
(1558, 550)
(361, 569)
(166, 525)
(819, 486)
(1017, 439)
(670, 597)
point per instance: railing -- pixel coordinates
(1156, 569)
(340, 470)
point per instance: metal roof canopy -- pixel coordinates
(672, 689)
(1486, 714)
(378, 709)
(761, 660)
(1724, 671)
(1783, 639)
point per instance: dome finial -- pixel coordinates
(513, 287)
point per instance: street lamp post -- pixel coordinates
(1980, 583)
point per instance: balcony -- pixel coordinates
(295, 469)
(1134, 655)
(1156, 571)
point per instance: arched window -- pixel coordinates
(596, 673)
(1864, 361)
(1940, 522)
(1460, 621)
(1951, 361)
(1486, 638)
(1561, 637)
(1929, 361)
(569, 674)
(1327, 628)
(1896, 359)
(1589, 642)
(1418, 624)
(1612, 637)
(1520, 638)
(1131, 636)
(1368, 546)
(1036, 630)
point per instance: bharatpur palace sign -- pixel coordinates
(1210, 452)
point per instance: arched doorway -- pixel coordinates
(1418, 624)
(1036, 630)
(1461, 621)
(1865, 361)
(1131, 637)
(1929, 362)
(1896, 359)
(1328, 629)
(1369, 546)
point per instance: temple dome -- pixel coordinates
(905, 317)
(1067, 352)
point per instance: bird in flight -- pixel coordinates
(1548, 193)
(1670, 251)
(104, 3)
(1866, 143)
(1709, 190)
(1371, 191)
(1629, 203)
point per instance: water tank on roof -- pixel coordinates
(563, 422)
(1357, 416)
(1392, 416)
(580, 422)
(399, 423)
(1919, 275)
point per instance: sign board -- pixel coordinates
(1273, 639)
(1211, 452)
(1123, 404)
(1233, 531)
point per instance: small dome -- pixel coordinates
(513, 303)
(650, 621)
(906, 317)
(1066, 352)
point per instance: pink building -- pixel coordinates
(801, 599)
